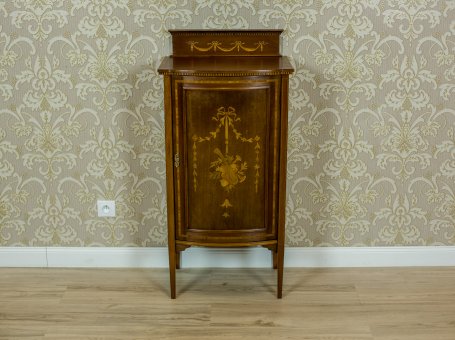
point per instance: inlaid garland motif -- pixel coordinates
(236, 45)
(228, 169)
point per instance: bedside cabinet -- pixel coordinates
(226, 103)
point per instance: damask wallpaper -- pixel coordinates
(371, 157)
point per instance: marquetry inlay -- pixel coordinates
(216, 46)
(226, 96)
(226, 167)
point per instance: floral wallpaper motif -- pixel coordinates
(371, 159)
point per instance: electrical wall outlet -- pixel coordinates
(106, 208)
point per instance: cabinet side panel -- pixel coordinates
(170, 181)
(168, 112)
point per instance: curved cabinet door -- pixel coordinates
(226, 144)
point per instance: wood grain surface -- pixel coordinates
(226, 117)
(342, 304)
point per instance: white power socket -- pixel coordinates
(106, 208)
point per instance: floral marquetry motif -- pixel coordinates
(228, 169)
(217, 46)
(253, 43)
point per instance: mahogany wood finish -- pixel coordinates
(190, 43)
(226, 95)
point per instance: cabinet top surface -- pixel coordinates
(225, 32)
(227, 66)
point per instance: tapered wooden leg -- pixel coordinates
(274, 259)
(172, 266)
(280, 267)
(178, 258)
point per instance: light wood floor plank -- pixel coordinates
(329, 304)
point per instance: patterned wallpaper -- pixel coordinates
(371, 123)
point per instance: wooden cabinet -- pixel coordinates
(226, 97)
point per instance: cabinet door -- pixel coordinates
(226, 135)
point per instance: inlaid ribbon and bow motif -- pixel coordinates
(228, 169)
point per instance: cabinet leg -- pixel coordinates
(172, 266)
(274, 259)
(279, 293)
(280, 265)
(178, 258)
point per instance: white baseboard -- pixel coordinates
(228, 258)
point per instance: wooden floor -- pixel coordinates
(351, 304)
